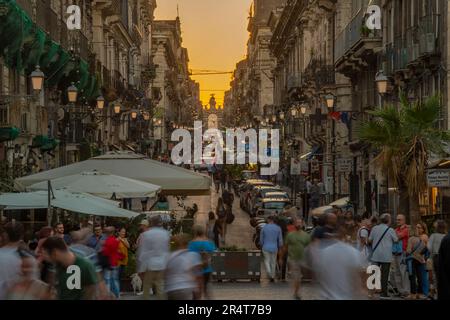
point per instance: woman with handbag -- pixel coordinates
(417, 253)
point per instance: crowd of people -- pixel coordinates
(169, 267)
(339, 249)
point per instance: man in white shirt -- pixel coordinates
(152, 255)
(338, 268)
(382, 238)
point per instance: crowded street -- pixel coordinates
(229, 150)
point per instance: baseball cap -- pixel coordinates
(144, 223)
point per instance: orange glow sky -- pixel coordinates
(215, 34)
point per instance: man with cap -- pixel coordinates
(153, 250)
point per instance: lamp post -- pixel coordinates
(330, 100)
(72, 93)
(382, 83)
(100, 103)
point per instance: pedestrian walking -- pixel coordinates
(183, 276)
(416, 262)
(271, 241)
(443, 269)
(296, 242)
(338, 268)
(210, 226)
(400, 279)
(152, 257)
(223, 180)
(221, 212)
(362, 240)
(205, 247)
(216, 179)
(80, 249)
(57, 253)
(382, 238)
(97, 239)
(110, 250)
(43, 265)
(29, 287)
(10, 261)
(314, 195)
(124, 246)
(59, 232)
(434, 244)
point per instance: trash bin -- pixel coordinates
(236, 265)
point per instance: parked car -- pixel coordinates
(268, 194)
(272, 207)
(259, 193)
(246, 189)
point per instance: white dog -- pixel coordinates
(136, 283)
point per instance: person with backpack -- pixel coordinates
(221, 213)
(205, 247)
(382, 238)
(400, 275)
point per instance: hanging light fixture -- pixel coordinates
(303, 109)
(274, 118)
(382, 82)
(117, 108)
(329, 98)
(37, 79)
(281, 115)
(72, 93)
(294, 111)
(146, 116)
(100, 103)
(133, 114)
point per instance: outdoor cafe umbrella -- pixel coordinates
(172, 179)
(101, 184)
(71, 201)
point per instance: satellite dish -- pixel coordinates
(61, 114)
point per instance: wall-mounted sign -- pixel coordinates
(438, 178)
(344, 165)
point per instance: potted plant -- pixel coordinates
(365, 31)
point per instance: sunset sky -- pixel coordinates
(215, 34)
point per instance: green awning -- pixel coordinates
(9, 133)
(23, 45)
(44, 143)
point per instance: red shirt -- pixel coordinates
(403, 234)
(111, 250)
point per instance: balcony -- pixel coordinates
(355, 45)
(413, 47)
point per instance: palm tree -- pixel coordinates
(404, 138)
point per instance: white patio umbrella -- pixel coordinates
(72, 201)
(172, 179)
(101, 184)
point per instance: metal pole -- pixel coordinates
(49, 203)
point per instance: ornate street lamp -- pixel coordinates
(37, 79)
(72, 93)
(146, 116)
(100, 103)
(329, 98)
(303, 109)
(294, 111)
(282, 115)
(382, 82)
(117, 108)
(274, 118)
(133, 115)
